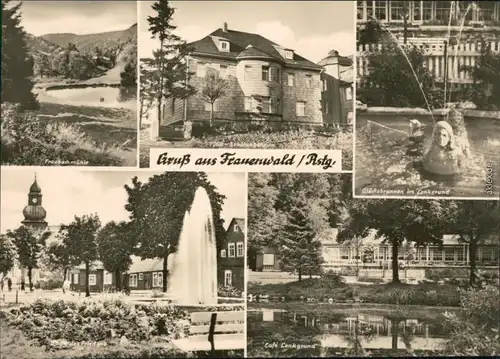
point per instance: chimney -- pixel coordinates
(225, 27)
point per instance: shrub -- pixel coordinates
(474, 331)
(25, 140)
(229, 292)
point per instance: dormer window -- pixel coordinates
(224, 46)
(289, 54)
(236, 228)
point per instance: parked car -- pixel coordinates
(360, 106)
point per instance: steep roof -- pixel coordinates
(239, 41)
(239, 221)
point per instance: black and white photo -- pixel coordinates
(69, 83)
(427, 99)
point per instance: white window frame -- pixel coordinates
(201, 69)
(247, 72)
(92, 279)
(224, 46)
(108, 278)
(268, 259)
(160, 279)
(155, 279)
(141, 276)
(289, 54)
(228, 278)
(325, 85)
(309, 80)
(348, 93)
(300, 108)
(291, 79)
(239, 249)
(223, 253)
(266, 78)
(132, 280)
(236, 228)
(224, 71)
(208, 106)
(231, 250)
(248, 104)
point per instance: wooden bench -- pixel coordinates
(210, 331)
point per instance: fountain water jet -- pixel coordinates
(193, 278)
(396, 41)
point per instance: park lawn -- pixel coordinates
(321, 289)
(292, 140)
(109, 128)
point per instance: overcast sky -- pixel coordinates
(77, 17)
(67, 192)
(311, 28)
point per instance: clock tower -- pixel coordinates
(34, 213)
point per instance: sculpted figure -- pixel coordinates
(456, 120)
(444, 156)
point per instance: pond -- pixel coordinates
(326, 332)
(384, 166)
(103, 96)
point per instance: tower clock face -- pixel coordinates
(34, 200)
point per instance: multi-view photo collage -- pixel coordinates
(235, 179)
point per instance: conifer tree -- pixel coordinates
(17, 64)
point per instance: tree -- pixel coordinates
(157, 210)
(395, 221)
(58, 258)
(17, 64)
(128, 76)
(391, 79)
(7, 255)
(115, 244)
(486, 75)
(147, 91)
(30, 244)
(79, 238)
(300, 245)
(371, 33)
(475, 222)
(214, 87)
(169, 60)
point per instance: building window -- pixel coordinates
(132, 280)
(223, 253)
(275, 75)
(92, 279)
(108, 278)
(381, 10)
(416, 8)
(344, 252)
(291, 79)
(228, 278)
(276, 105)
(289, 54)
(236, 228)
(208, 106)
(268, 259)
(266, 105)
(348, 93)
(460, 255)
(201, 69)
(248, 104)
(427, 10)
(231, 250)
(265, 73)
(300, 108)
(361, 10)
(449, 254)
(239, 249)
(308, 81)
(141, 276)
(437, 254)
(160, 279)
(397, 10)
(442, 10)
(486, 10)
(76, 278)
(223, 71)
(248, 72)
(155, 279)
(421, 254)
(325, 85)
(224, 46)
